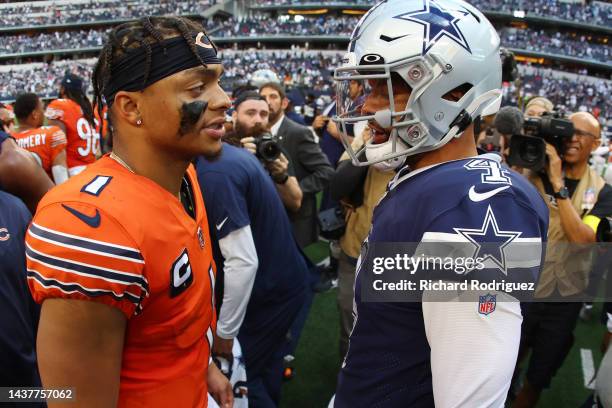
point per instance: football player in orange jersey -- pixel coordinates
(46, 143)
(20, 175)
(7, 118)
(120, 255)
(74, 115)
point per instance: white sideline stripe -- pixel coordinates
(324, 262)
(588, 368)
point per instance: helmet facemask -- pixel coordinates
(407, 132)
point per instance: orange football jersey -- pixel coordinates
(110, 236)
(83, 138)
(45, 143)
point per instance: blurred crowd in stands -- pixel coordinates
(566, 93)
(264, 25)
(594, 12)
(295, 68)
(556, 43)
(313, 71)
(14, 44)
(590, 12)
(34, 14)
(527, 39)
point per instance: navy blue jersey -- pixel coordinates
(332, 147)
(19, 317)
(391, 353)
(239, 192)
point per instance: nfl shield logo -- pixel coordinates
(486, 304)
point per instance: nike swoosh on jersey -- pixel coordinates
(476, 197)
(220, 225)
(93, 221)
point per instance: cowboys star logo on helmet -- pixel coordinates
(435, 47)
(438, 22)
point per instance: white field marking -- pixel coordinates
(588, 368)
(324, 262)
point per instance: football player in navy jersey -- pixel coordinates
(429, 69)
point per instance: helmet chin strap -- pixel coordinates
(457, 127)
(465, 118)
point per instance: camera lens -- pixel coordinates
(530, 153)
(269, 151)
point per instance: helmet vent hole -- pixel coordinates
(455, 94)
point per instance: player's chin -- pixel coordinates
(210, 142)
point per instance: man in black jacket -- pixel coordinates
(312, 168)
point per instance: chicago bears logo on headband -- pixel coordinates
(203, 41)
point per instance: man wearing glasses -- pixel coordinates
(577, 198)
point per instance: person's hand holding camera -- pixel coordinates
(278, 169)
(249, 144)
(332, 129)
(554, 168)
(320, 122)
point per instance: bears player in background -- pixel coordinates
(20, 175)
(429, 69)
(120, 255)
(46, 143)
(7, 118)
(73, 114)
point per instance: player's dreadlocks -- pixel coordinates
(142, 33)
(78, 96)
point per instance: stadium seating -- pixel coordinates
(312, 71)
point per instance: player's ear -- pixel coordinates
(126, 107)
(285, 103)
(234, 116)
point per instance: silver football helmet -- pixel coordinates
(264, 76)
(435, 46)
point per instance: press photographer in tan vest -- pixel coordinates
(577, 198)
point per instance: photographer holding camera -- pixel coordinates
(312, 169)
(250, 121)
(577, 199)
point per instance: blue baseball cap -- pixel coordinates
(73, 82)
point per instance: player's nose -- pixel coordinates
(219, 99)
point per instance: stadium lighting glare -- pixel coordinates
(308, 12)
(519, 14)
(354, 12)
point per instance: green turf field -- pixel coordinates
(318, 360)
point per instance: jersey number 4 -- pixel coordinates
(493, 172)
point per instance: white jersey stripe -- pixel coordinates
(78, 248)
(81, 273)
(85, 288)
(450, 237)
(86, 239)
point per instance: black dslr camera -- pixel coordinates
(267, 148)
(529, 149)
